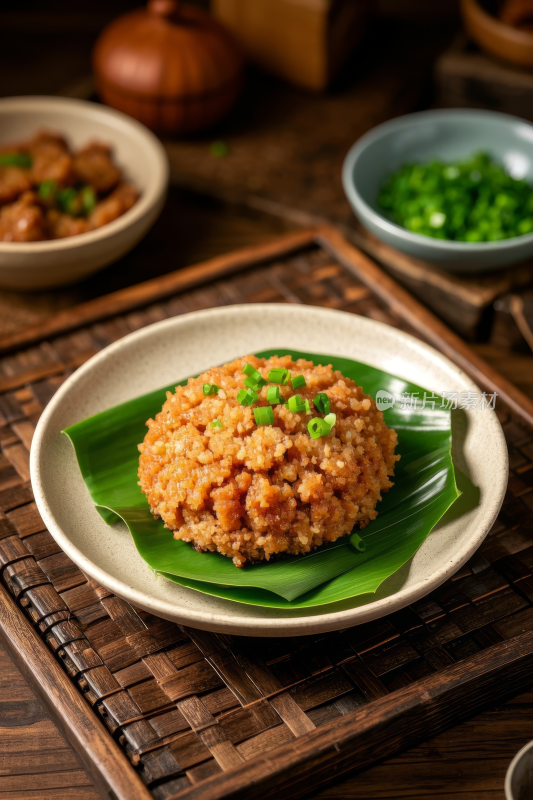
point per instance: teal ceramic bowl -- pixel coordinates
(447, 135)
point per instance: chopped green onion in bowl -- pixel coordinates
(69, 201)
(470, 200)
(23, 160)
(47, 190)
(88, 199)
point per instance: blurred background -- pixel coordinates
(318, 74)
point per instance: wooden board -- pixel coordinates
(155, 710)
(469, 78)
(464, 302)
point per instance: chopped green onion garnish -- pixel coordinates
(273, 395)
(255, 384)
(321, 427)
(317, 428)
(216, 423)
(321, 401)
(358, 543)
(278, 375)
(15, 160)
(298, 381)
(88, 199)
(296, 404)
(307, 407)
(252, 372)
(219, 149)
(210, 388)
(247, 397)
(69, 201)
(468, 200)
(47, 190)
(264, 415)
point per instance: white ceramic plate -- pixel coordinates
(178, 347)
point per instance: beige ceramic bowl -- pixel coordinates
(38, 265)
(188, 344)
(519, 778)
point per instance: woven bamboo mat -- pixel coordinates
(203, 715)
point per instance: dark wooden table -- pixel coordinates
(468, 760)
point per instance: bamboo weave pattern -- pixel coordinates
(186, 704)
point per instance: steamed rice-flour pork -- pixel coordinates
(278, 459)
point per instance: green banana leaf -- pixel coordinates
(425, 488)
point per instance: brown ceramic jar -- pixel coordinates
(169, 65)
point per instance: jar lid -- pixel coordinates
(166, 50)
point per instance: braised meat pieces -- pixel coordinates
(49, 192)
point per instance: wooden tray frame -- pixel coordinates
(396, 721)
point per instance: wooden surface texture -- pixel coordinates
(201, 715)
(469, 78)
(300, 156)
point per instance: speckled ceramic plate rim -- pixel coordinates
(252, 328)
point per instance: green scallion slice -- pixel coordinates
(296, 404)
(264, 415)
(69, 201)
(210, 388)
(307, 407)
(321, 401)
(247, 397)
(252, 372)
(468, 200)
(317, 428)
(23, 160)
(255, 384)
(215, 423)
(298, 381)
(88, 199)
(279, 375)
(357, 542)
(47, 190)
(321, 427)
(273, 395)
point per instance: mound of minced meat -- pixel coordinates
(254, 491)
